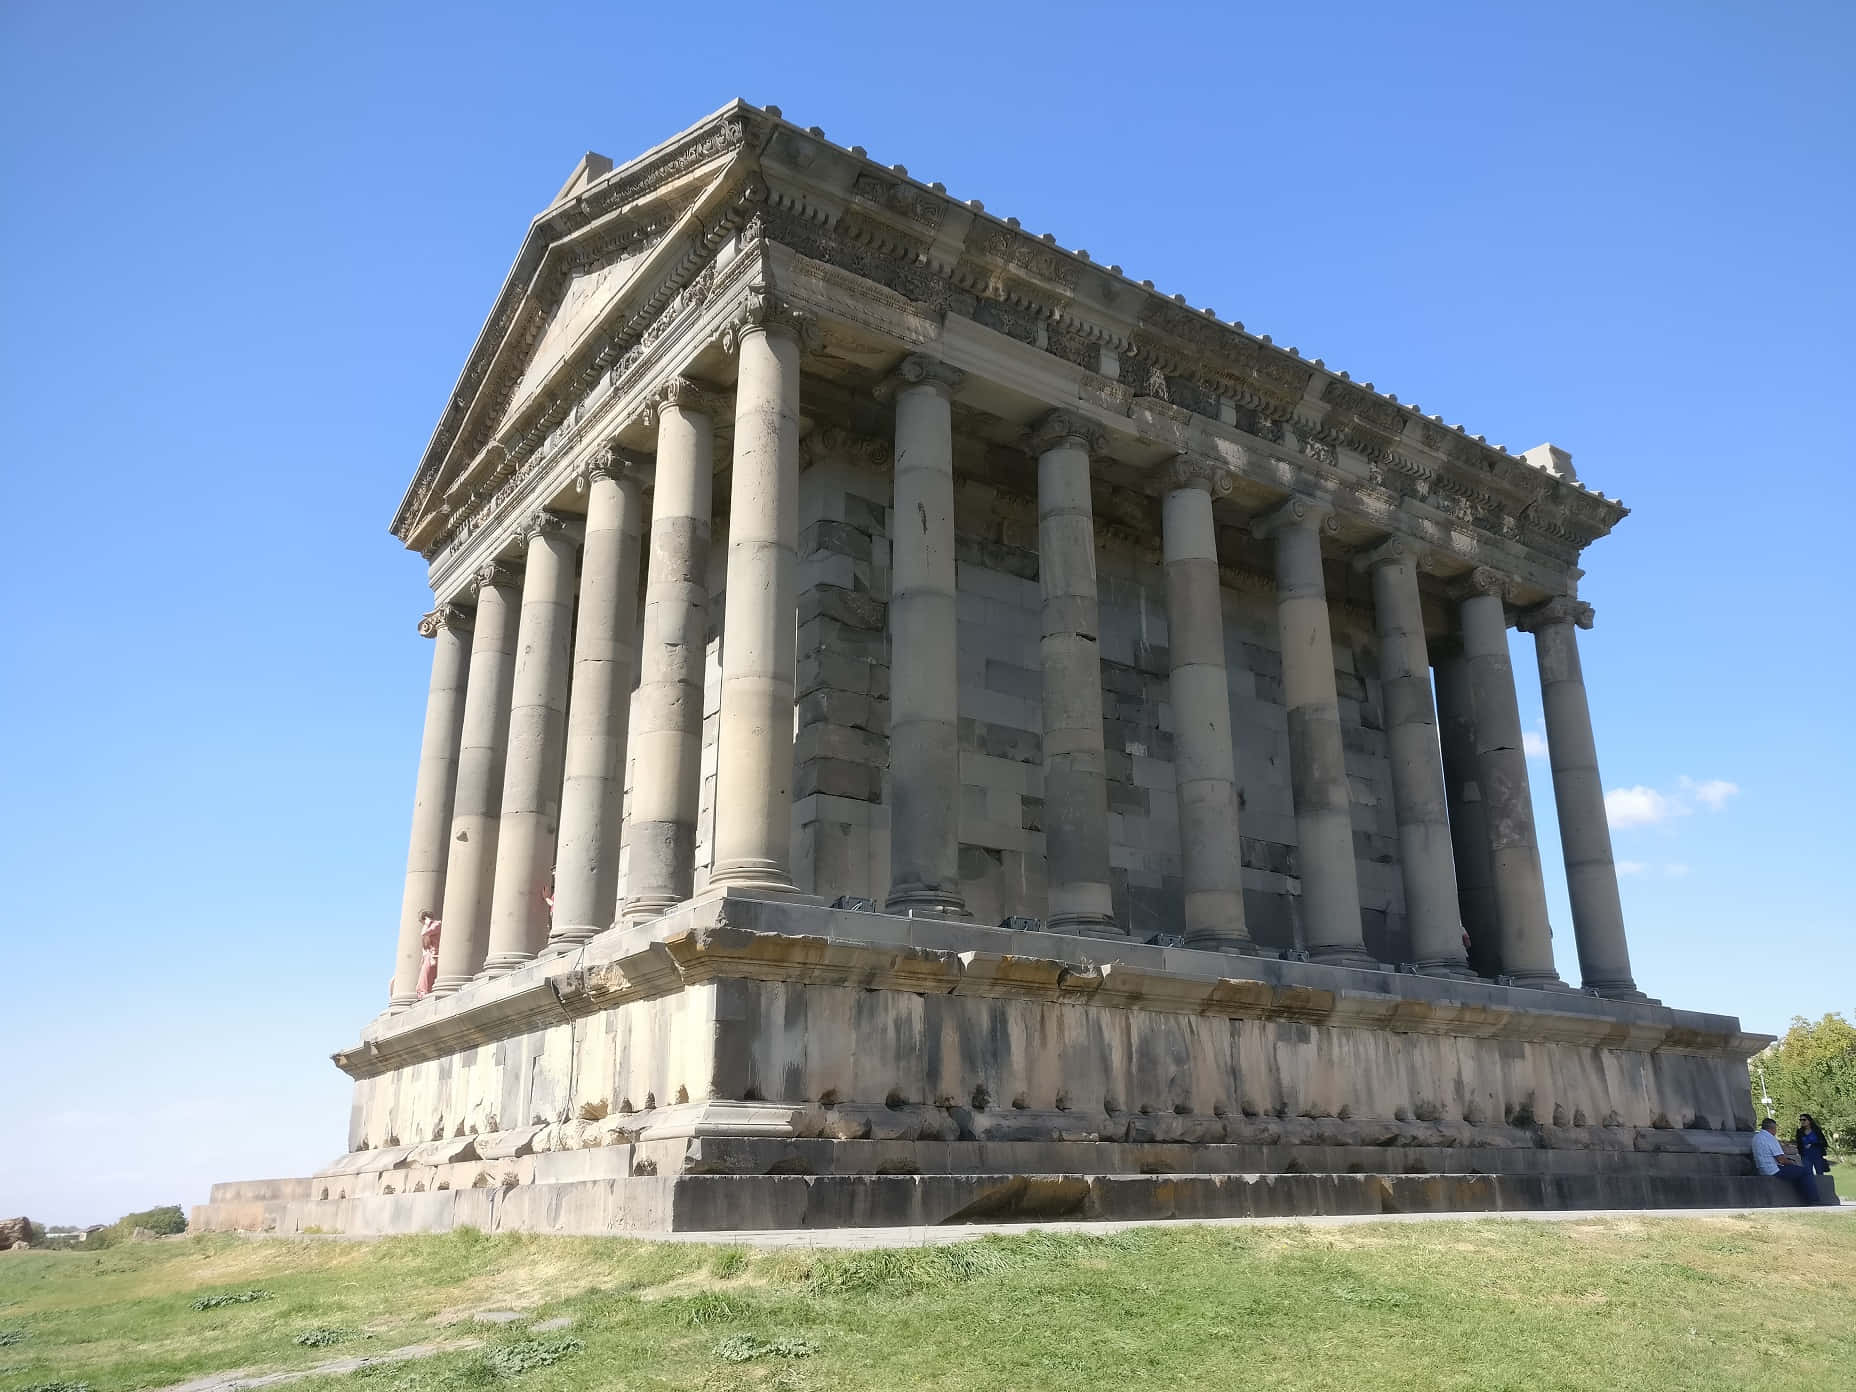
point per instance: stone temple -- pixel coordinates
(926, 728)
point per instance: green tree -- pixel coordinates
(1813, 1069)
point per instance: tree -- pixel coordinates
(1813, 1069)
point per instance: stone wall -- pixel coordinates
(841, 823)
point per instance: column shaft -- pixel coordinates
(1317, 765)
(924, 742)
(537, 743)
(1579, 795)
(483, 750)
(449, 627)
(1075, 768)
(667, 737)
(1426, 864)
(1469, 821)
(586, 868)
(754, 799)
(1501, 769)
(1205, 759)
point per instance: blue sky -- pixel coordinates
(246, 249)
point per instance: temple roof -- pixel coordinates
(617, 243)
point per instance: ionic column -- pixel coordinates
(483, 748)
(1469, 822)
(449, 626)
(667, 733)
(1075, 768)
(1199, 685)
(537, 742)
(924, 708)
(754, 799)
(1317, 766)
(1501, 774)
(586, 866)
(1585, 831)
(1426, 863)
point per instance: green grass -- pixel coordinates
(1483, 1306)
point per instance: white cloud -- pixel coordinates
(1643, 806)
(1713, 793)
(1534, 743)
(1638, 806)
(1631, 867)
(1675, 870)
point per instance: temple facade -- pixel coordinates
(924, 726)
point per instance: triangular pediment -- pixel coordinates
(608, 238)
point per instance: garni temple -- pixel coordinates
(926, 728)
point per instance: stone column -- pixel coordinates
(754, 797)
(1501, 774)
(431, 808)
(1317, 767)
(1426, 863)
(537, 743)
(477, 807)
(667, 737)
(1211, 861)
(1579, 795)
(1075, 769)
(586, 867)
(924, 710)
(1469, 822)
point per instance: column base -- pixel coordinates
(1618, 991)
(503, 963)
(448, 985)
(1085, 925)
(636, 911)
(925, 902)
(1223, 942)
(565, 940)
(752, 874)
(1345, 955)
(1448, 968)
(395, 1004)
(1533, 981)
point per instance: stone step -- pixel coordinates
(639, 1205)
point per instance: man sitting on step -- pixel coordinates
(1769, 1158)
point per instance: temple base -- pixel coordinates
(761, 1062)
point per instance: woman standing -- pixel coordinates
(1811, 1145)
(428, 952)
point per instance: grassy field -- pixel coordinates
(1486, 1305)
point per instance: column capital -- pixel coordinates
(1296, 512)
(920, 370)
(1395, 550)
(445, 616)
(683, 393)
(1563, 609)
(763, 311)
(546, 523)
(1481, 580)
(495, 573)
(611, 460)
(1210, 476)
(1058, 428)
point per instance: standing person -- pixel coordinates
(1769, 1158)
(1812, 1147)
(428, 951)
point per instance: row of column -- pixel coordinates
(513, 797)
(502, 770)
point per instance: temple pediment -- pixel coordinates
(612, 236)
